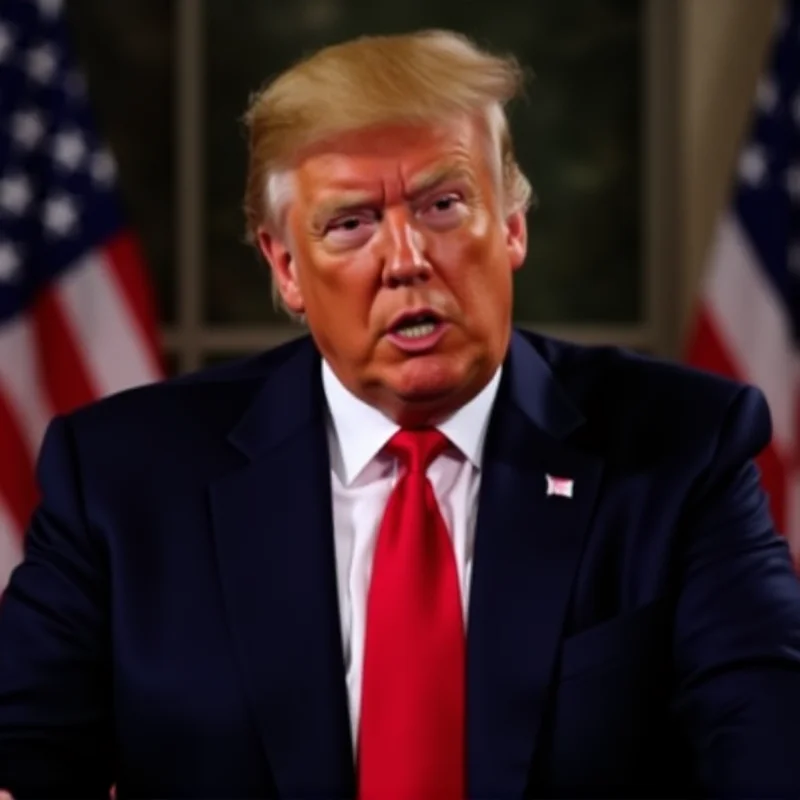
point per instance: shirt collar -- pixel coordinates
(358, 432)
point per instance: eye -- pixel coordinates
(445, 210)
(346, 224)
(350, 229)
(445, 203)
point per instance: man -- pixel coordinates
(418, 554)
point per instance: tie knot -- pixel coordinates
(417, 449)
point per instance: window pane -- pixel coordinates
(578, 138)
(127, 49)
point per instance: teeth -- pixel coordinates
(417, 331)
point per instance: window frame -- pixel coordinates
(191, 340)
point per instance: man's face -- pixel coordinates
(397, 250)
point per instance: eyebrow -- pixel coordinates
(436, 176)
(343, 203)
(350, 201)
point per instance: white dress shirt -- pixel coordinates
(362, 478)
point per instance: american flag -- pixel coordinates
(749, 318)
(76, 319)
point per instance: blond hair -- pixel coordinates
(370, 81)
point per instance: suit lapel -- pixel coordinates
(273, 528)
(527, 548)
(272, 522)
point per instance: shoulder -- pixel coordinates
(635, 401)
(175, 412)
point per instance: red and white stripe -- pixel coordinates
(743, 330)
(89, 334)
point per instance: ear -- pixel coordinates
(516, 238)
(284, 269)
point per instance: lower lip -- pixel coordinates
(421, 343)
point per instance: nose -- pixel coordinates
(405, 260)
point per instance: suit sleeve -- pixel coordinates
(737, 627)
(55, 676)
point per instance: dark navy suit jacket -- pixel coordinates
(174, 626)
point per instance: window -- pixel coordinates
(170, 79)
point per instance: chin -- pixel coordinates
(427, 379)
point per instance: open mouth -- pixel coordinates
(417, 326)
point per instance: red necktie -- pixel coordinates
(412, 736)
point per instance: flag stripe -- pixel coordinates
(64, 372)
(17, 485)
(10, 543)
(792, 527)
(708, 351)
(105, 328)
(21, 381)
(125, 260)
(752, 322)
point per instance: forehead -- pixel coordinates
(392, 155)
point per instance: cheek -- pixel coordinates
(473, 259)
(339, 286)
(326, 272)
(480, 224)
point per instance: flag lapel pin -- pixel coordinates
(559, 487)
